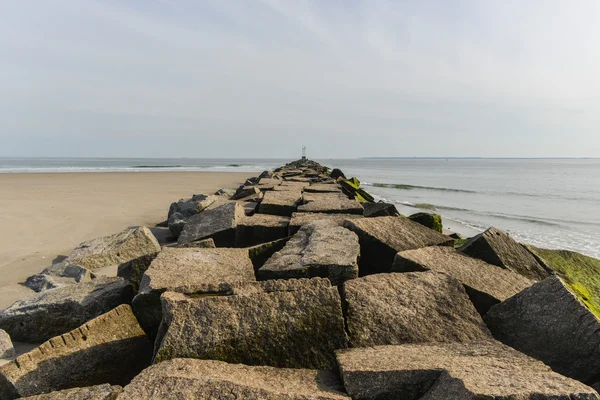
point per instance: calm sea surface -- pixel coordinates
(546, 202)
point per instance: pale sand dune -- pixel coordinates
(43, 216)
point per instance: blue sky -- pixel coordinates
(232, 78)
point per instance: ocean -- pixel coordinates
(553, 203)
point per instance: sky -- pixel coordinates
(262, 78)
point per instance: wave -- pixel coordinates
(156, 166)
(401, 186)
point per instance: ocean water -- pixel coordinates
(552, 203)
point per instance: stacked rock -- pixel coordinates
(298, 285)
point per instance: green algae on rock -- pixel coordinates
(581, 273)
(432, 221)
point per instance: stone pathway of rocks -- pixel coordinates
(298, 286)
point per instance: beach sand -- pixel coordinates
(44, 216)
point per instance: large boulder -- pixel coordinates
(260, 228)
(299, 219)
(432, 221)
(336, 173)
(58, 275)
(485, 284)
(498, 248)
(410, 308)
(218, 223)
(331, 203)
(7, 349)
(380, 209)
(581, 273)
(192, 206)
(114, 249)
(547, 321)
(285, 323)
(280, 203)
(189, 270)
(321, 248)
(260, 253)
(382, 237)
(245, 191)
(111, 348)
(133, 271)
(98, 392)
(54, 312)
(452, 371)
(183, 378)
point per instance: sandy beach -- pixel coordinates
(46, 215)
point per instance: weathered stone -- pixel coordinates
(254, 198)
(208, 379)
(431, 221)
(111, 348)
(99, 392)
(200, 244)
(260, 228)
(54, 312)
(299, 219)
(380, 209)
(485, 284)
(410, 308)
(58, 275)
(181, 211)
(548, 322)
(321, 248)
(114, 249)
(452, 371)
(498, 248)
(280, 203)
(176, 222)
(331, 203)
(189, 270)
(245, 191)
(323, 188)
(382, 237)
(7, 349)
(132, 271)
(266, 182)
(285, 323)
(218, 223)
(225, 192)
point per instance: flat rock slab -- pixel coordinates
(208, 379)
(54, 312)
(189, 270)
(443, 371)
(299, 219)
(280, 203)
(548, 322)
(218, 223)
(114, 249)
(323, 188)
(382, 237)
(98, 392)
(415, 307)
(111, 348)
(261, 228)
(321, 248)
(287, 323)
(486, 284)
(331, 203)
(496, 247)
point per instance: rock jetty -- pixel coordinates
(299, 285)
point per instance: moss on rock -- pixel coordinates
(581, 273)
(432, 221)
